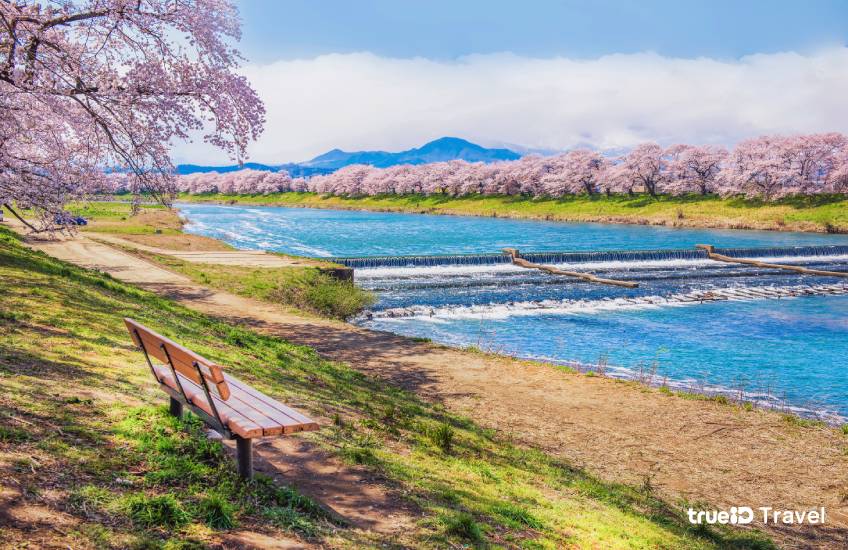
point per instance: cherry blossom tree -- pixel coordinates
(582, 171)
(757, 168)
(93, 84)
(694, 168)
(811, 159)
(645, 165)
(837, 180)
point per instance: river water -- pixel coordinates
(789, 352)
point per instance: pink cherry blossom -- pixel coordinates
(92, 84)
(768, 167)
(694, 169)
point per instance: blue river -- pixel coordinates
(325, 233)
(790, 352)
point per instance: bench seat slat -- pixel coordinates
(244, 406)
(237, 422)
(292, 420)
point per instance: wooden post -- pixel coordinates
(244, 454)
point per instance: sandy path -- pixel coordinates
(700, 451)
(245, 258)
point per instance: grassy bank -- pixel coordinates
(306, 289)
(153, 225)
(89, 460)
(821, 213)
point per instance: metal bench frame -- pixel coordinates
(179, 399)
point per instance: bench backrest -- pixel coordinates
(181, 358)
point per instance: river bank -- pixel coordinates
(823, 214)
(621, 431)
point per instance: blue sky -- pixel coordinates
(443, 29)
(540, 75)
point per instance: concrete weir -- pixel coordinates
(739, 294)
(364, 262)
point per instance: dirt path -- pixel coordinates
(697, 450)
(246, 258)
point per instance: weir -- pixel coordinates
(586, 257)
(609, 303)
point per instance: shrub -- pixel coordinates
(442, 437)
(517, 515)
(13, 435)
(462, 526)
(217, 512)
(156, 511)
(323, 294)
(359, 455)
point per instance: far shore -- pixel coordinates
(823, 214)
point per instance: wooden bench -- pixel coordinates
(231, 407)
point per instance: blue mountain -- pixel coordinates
(439, 150)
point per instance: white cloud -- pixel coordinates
(362, 101)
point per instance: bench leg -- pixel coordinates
(176, 408)
(244, 453)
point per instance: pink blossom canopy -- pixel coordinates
(110, 84)
(768, 167)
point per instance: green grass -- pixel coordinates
(462, 526)
(172, 479)
(116, 217)
(120, 211)
(818, 213)
(795, 420)
(304, 288)
(101, 449)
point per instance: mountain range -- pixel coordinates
(439, 150)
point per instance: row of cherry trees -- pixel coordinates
(769, 167)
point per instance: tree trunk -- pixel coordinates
(651, 188)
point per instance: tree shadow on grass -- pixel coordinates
(798, 202)
(21, 363)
